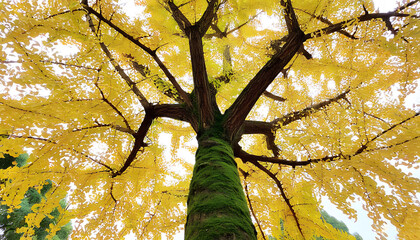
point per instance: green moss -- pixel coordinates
(216, 131)
(217, 208)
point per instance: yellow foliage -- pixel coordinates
(63, 101)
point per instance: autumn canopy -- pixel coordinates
(282, 102)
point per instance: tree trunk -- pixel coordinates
(217, 208)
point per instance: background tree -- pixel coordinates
(335, 223)
(11, 221)
(313, 105)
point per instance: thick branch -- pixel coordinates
(246, 157)
(208, 16)
(177, 112)
(149, 51)
(243, 104)
(206, 100)
(269, 128)
(259, 127)
(174, 111)
(138, 143)
(290, 16)
(179, 18)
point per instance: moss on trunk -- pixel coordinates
(217, 208)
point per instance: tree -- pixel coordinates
(312, 106)
(334, 222)
(337, 224)
(10, 222)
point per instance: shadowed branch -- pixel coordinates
(208, 16)
(290, 16)
(205, 97)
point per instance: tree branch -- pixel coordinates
(71, 149)
(31, 111)
(273, 96)
(290, 16)
(344, 24)
(221, 34)
(149, 51)
(206, 100)
(297, 115)
(208, 16)
(177, 112)
(179, 18)
(246, 157)
(364, 146)
(206, 105)
(282, 193)
(243, 104)
(165, 87)
(406, 5)
(100, 125)
(52, 62)
(121, 72)
(138, 143)
(328, 22)
(269, 128)
(113, 106)
(250, 205)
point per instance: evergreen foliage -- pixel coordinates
(10, 222)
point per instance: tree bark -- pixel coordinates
(217, 208)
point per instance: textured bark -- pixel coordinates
(243, 104)
(205, 99)
(217, 208)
